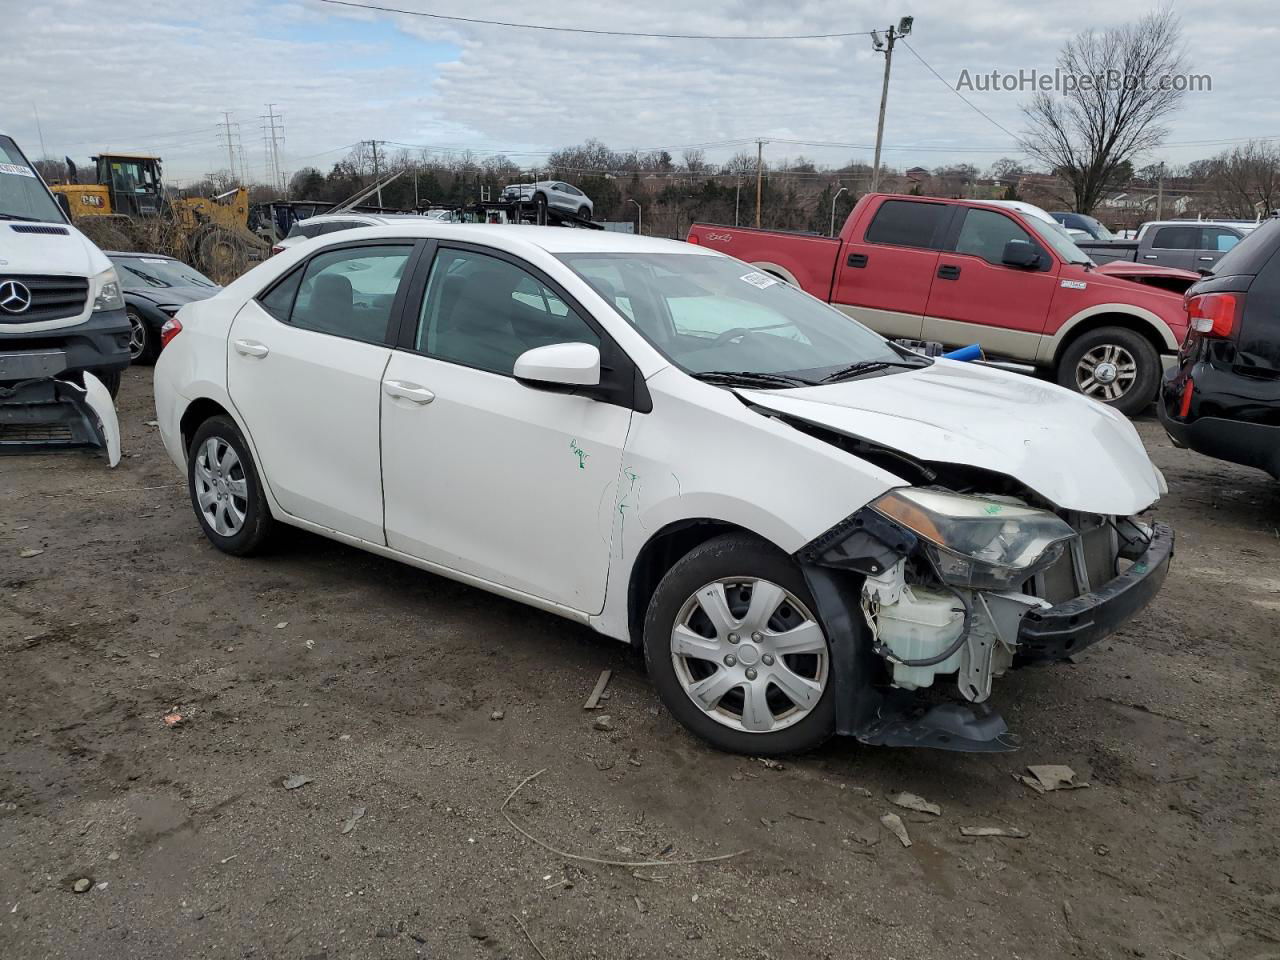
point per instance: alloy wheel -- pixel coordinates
(221, 489)
(1106, 372)
(750, 654)
(137, 336)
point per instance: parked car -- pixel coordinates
(1223, 398)
(1092, 228)
(1002, 274)
(327, 223)
(155, 286)
(1184, 244)
(799, 522)
(553, 193)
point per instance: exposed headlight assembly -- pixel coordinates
(978, 542)
(108, 296)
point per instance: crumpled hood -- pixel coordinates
(69, 254)
(1073, 451)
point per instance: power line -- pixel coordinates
(599, 33)
(969, 103)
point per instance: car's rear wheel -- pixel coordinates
(225, 490)
(735, 651)
(1112, 364)
(584, 213)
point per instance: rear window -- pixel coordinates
(304, 228)
(1250, 255)
(907, 223)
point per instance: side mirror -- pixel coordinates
(1020, 253)
(559, 365)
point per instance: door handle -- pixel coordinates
(251, 348)
(407, 391)
(1207, 259)
(857, 260)
(949, 271)
(1150, 256)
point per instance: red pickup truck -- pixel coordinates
(1001, 274)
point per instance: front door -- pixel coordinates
(486, 476)
(304, 369)
(976, 298)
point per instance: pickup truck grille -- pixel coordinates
(52, 298)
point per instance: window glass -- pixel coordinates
(278, 301)
(350, 292)
(484, 312)
(1218, 238)
(712, 313)
(985, 233)
(906, 223)
(22, 194)
(1177, 238)
(148, 273)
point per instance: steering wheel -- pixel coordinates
(731, 334)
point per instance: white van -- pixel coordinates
(64, 334)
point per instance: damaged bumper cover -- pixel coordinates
(1012, 629)
(51, 413)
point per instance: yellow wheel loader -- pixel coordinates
(126, 209)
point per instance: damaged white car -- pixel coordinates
(802, 524)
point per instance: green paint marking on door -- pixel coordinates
(581, 454)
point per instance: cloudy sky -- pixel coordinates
(158, 77)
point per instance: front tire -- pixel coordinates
(584, 213)
(1114, 365)
(143, 341)
(225, 490)
(735, 652)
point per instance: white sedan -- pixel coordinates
(800, 523)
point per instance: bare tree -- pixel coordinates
(1113, 112)
(1245, 182)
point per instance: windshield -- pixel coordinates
(23, 195)
(1055, 234)
(712, 313)
(150, 273)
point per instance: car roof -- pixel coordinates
(351, 214)
(553, 240)
(1026, 209)
(152, 256)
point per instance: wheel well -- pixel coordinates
(197, 413)
(1125, 320)
(659, 555)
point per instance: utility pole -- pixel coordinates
(885, 46)
(272, 134)
(226, 127)
(377, 167)
(737, 200)
(1160, 193)
(759, 177)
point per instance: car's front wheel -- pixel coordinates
(1112, 364)
(736, 652)
(142, 340)
(225, 490)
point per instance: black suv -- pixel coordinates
(1223, 399)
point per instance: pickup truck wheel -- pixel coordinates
(1112, 364)
(736, 654)
(225, 490)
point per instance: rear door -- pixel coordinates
(976, 298)
(1215, 241)
(883, 277)
(1175, 245)
(304, 369)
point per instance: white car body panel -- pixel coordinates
(501, 481)
(313, 414)
(104, 408)
(1075, 452)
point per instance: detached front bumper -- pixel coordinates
(1046, 636)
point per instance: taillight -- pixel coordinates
(693, 238)
(277, 249)
(1215, 314)
(172, 327)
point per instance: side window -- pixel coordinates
(985, 233)
(1176, 238)
(278, 301)
(1220, 239)
(907, 223)
(483, 312)
(349, 292)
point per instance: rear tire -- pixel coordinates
(225, 490)
(752, 676)
(584, 213)
(1113, 365)
(143, 341)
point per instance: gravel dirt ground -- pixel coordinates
(380, 683)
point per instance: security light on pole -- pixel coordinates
(833, 208)
(885, 45)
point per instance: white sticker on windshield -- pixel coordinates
(17, 169)
(153, 260)
(760, 280)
